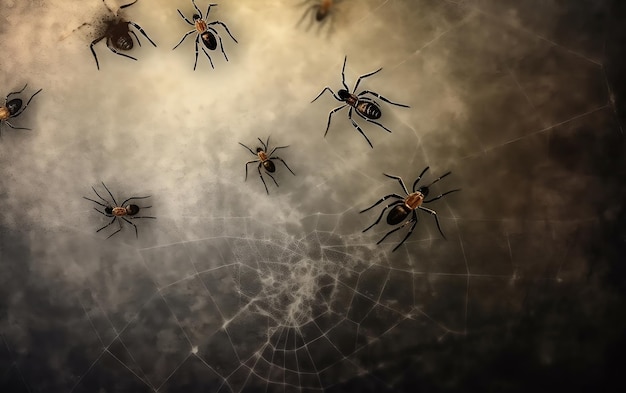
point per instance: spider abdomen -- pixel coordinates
(369, 110)
(397, 214)
(209, 40)
(13, 106)
(269, 166)
(124, 42)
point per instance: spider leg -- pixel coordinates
(101, 212)
(330, 114)
(12, 93)
(120, 222)
(265, 145)
(136, 37)
(112, 49)
(184, 17)
(441, 195)
(382, 98)
(247, 163)
(14, 127)
(183, 39)
(399, 179)
(208, 9)
(372, 121)
(419, 178)
(111, 195)
(125, 219)
(343, 73)
(270, 175)
(136, 26)
(276, 148)
(220, 40)
(414, 219)
(94, 190)
(28, 102)
(357, 128)
(381, 200)
(283, 161)
(107, 225)
(261, 176)
(322, 92)
(382, 213)
(439, 178)
(434, 214)
(250, 150)
(89, 199)
(306, 12)
(217, 22)
(208, 57)
(127, 5)
(134, 217)
(196, 61)
(356, 86)
(94, 42)
(131, 198)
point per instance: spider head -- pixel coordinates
(195, 17)
(108, 210)
(424, 190)
(258, 149)
(343, 94)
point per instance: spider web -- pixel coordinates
(285, 293)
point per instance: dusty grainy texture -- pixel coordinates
(234, 290)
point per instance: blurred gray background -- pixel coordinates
(234, 290)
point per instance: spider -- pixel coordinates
(13, 108)
(118, 35)
(365, 107)
(404, 206)
(321, 9)
(119, 212)
(205, 32)
(265, 160)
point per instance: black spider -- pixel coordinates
(365, 107)
(265, 160)
(13, 108)
(403, 206)
(205, 32)
(118, 35)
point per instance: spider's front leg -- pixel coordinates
(382, 98)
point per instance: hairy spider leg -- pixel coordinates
(399, 179)
(419, 178)
(357, 127)
(382, 98)
(136, 26)
(382, 213)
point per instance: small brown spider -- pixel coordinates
(13, 108)
(265, 160)
(119, 212)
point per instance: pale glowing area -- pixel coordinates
(232, 289)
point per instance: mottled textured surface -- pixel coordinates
(233, 290)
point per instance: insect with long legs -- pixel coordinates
(204, 32)
(366, 108)
(13, 108)
(265, 160)
(119, 212)
(409, 205)
(118, 35)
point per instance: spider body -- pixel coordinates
(205, 32)
(118, 212)
(365, 107)
(404, 207)
(265, 160)
(13, 108)
(118, 35)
